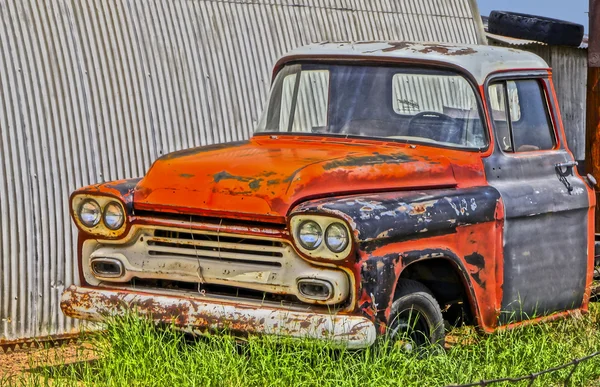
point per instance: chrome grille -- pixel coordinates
(214, 247)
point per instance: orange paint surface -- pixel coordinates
(484, 283)
(264, 178)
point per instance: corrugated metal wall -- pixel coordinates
(569, 67)
(569, 71)
(95, 90)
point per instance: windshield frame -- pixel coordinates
(410, 65)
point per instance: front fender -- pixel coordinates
(395, 216)
(395, 229)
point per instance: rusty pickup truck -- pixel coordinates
(391, 189)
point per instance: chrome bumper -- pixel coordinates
(195, 314)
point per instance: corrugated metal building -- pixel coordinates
(95, 90)
(569, 70)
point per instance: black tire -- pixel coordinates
(531, 27)
(416, 316)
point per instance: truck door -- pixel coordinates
(546, 202)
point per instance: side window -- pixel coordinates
(520, 114)
(497, 95)
(312, 100)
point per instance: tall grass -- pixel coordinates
(134, 352)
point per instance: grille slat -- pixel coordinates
(161, 250)
(208, 246)
(216, 245)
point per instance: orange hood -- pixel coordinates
(263, 178)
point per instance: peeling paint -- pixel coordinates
(193, 314)
(270, 182)
(404, 214)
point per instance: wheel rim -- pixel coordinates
(412, 325)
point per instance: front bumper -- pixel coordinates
(195, 314)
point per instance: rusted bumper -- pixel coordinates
(194, 314)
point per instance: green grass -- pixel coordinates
(133, 352)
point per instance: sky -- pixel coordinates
(570, 10)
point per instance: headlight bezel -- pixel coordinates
(322, 252)
(100, 229)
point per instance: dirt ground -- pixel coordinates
(24, 360)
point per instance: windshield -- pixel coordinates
(410, 104)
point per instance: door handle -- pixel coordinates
(563, 170)
(568, 164)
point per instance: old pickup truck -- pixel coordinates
(391, 189)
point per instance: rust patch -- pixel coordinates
(420, 208)
(224, 175)
(97, 304)
(385, 234)
(445, 50)
(124, 187)
(372, 159)
(395, 46)
(476, 260)
(253, 183)
(427, 48)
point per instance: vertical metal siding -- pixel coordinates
(569, 68)
(569, 72)
(95, 90)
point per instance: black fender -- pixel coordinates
(382, 219)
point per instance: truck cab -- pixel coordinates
(390, 188)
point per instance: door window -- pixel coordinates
(520, 114)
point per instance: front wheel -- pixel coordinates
(415, 316)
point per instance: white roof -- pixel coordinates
(480, 61)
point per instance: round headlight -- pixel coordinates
(336, 237)
(89, 213)
(113, 216)
(310, 235)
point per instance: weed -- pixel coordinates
(134, 352)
